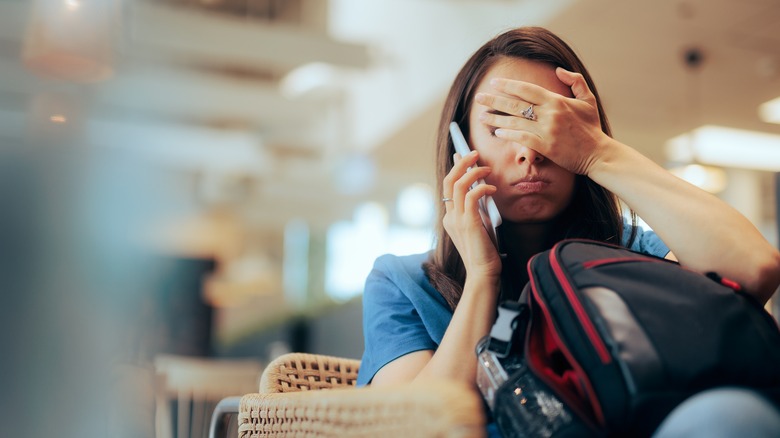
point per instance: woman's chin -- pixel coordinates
(532, 214)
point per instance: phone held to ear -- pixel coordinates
(488, 211)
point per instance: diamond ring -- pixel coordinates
(528, 113)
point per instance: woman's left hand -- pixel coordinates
(567, 130)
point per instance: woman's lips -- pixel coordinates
(531, 186)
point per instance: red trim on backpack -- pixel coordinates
(601, 262)
(589, 400)
(582, 315)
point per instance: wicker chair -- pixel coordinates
(291, 403)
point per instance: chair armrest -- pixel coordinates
(223, 417)
(419, 409)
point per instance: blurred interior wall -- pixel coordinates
(70, 274)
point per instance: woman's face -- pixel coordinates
(530, 187)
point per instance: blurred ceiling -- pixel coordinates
(637, 50)
(207, 86)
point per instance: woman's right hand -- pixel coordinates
(462, 220)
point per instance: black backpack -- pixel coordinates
(605, 341)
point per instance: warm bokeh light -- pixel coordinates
(415, 205)
(711, 179)
(58, 118)
(74, 43)
(770, 111)
(72, 5)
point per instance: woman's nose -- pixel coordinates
(526, 154)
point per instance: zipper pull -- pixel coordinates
(724, 281)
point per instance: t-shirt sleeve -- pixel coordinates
(646, 241)
(392, 327)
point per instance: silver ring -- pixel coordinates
(446, 199)
(528, 113)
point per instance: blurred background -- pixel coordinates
(189, 188)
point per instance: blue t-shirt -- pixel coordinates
(403, 313)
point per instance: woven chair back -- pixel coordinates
(294, 372)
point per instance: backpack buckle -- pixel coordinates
(502, 334)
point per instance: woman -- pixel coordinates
(542, 143)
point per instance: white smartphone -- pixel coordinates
(488, 211)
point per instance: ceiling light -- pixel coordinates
(727, 147)
(770, 111)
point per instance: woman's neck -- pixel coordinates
(522, 241)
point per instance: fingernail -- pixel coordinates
(480, 97)
(494, 81)
(499, 132)
(472, 153)
(483, 116)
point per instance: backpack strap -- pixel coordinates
(509, 312)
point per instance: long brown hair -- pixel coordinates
(594, 212)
